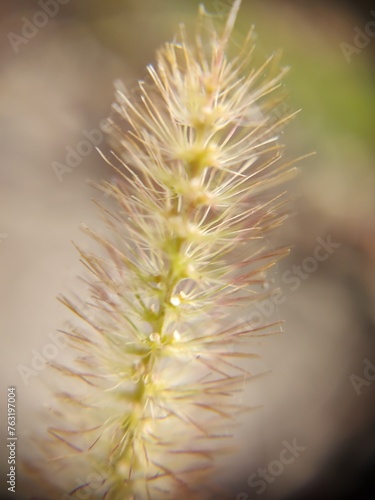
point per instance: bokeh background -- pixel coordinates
(59, 83)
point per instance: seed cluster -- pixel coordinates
(159, 348)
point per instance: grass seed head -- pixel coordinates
(152, 391)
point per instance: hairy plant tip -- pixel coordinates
(151, 398)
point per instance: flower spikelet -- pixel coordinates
(161, 342)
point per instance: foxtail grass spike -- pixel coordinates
(150, 402)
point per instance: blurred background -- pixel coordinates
(56, 87)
